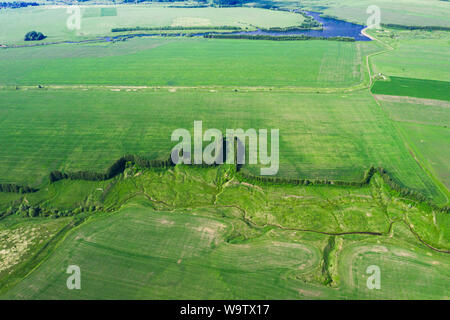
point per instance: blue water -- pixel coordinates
(331, 28)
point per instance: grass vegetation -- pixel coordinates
(193, 62)
(403, 12)
(425, 124)
(167, 239)
(427, 89)
(418, 55)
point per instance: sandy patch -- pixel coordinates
(400, 99)
(190, 22)
(308, 293)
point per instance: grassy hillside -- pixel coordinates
(216, 237)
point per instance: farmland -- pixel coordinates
(417, 56)
(363, 174)
(404, 12)
(425, 124)
(428, 89)
(339, 140)
(196, 62)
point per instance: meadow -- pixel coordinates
(189, 62)
(216, 237)
(403, 12)
(339, 138)
(417, 56)
(95, 21)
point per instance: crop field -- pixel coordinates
(52, 21)
(427, 89)
(425, 126)
(86, 120)
(193, 62)
(418, 58)
(339, 139)
(205, 251)
(404, 12)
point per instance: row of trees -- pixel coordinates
(425, 28)
(176, 28)
(305, 182)
(10, 187)
(276, 38)
(17, 4)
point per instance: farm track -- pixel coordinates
(174, 89)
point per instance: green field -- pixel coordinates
(404, 12)
(415, 57)
(424, 123)
(193, 62)
(229, 243)
(52, 21)
(427, 89)
(219, 232)
(338, 139)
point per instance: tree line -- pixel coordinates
(176, 28)
(276, 38)
(424, 28)
(116, 168)
(11, 187)
(17, 4)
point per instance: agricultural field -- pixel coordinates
(426, 89)
(425, 123)
(194, 62)
(403, 12)
(86, 120)
(339, 139)
(414, 57)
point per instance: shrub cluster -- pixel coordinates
(34, 36)
(27, 210)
